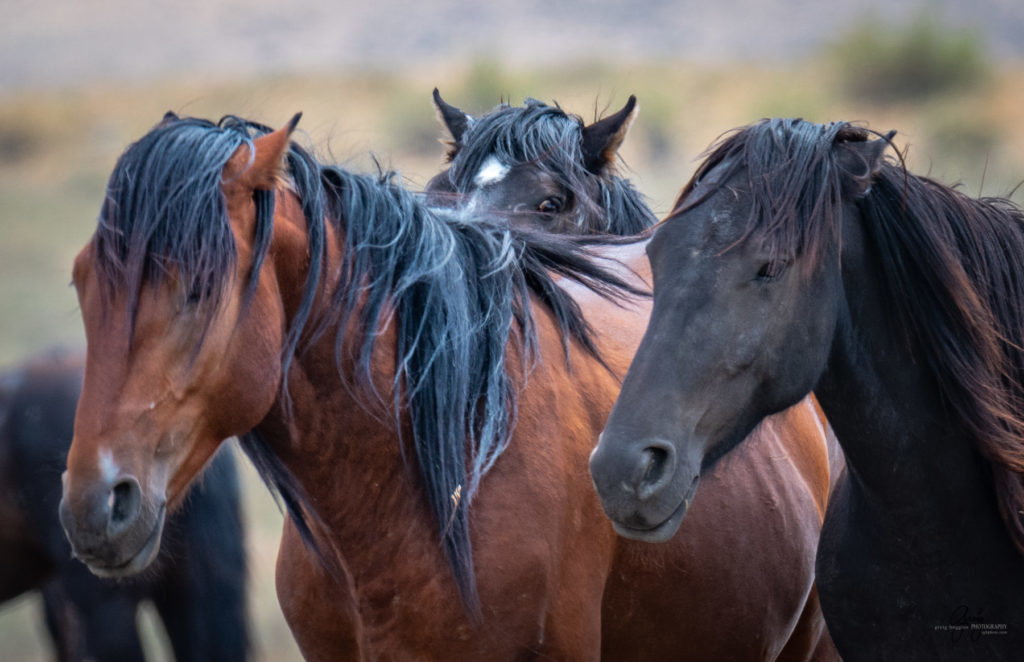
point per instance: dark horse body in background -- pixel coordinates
(197, 586)
(798, 258)
(541, 167)
(423, 389)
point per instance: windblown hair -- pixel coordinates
(552, 140)
(162, 215)
(458, 292)
(794, 181)
(952, 264)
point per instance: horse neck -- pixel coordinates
(906, 451)
(341, 445)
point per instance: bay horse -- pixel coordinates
(422, 388)
(198, 582)
(799, 257)
(542, 167)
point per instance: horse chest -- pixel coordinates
(909, 596)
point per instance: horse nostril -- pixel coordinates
(125, 502)
(655, 463)
(655, 470)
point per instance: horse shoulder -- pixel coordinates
(805, 437)
(322, 611)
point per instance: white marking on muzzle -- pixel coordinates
(108, 467)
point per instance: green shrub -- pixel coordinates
(486, 85)
(894, 63)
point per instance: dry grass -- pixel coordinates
(56, 150)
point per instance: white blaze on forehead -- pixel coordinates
(108, 467)
(492, 172)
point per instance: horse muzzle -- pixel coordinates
(112, 527)
(643, 487)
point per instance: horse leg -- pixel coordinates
(204, 615)
(200, 595)
(63, 623)
(109, 625)
(321, 610)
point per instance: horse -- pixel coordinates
(542, 167)
(198, 582)
(800, 257)
(422, 389)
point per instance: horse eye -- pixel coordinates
(551, 205)
(198, 291)
(771, 270)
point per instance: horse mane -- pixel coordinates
(551, 139)
(793, 180)
(163, 214)
(457, 289)
(952, 265)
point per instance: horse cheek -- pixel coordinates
(250, 384)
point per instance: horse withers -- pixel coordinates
(798, 257)
(197, 584)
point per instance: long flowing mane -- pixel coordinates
(552, 140)
(954, 268)
(458, 292)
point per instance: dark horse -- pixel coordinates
(198, 582)
(423, 390)
(541, 167)
(798, 258)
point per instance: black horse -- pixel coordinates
(798, 258)
(542, 167)
(198, 586)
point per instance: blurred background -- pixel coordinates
(80, 79)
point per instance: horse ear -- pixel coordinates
(169, 116)
(263, 168)
(453, 119)
(860, 161)
(602, 139)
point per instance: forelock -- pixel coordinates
(533, 133)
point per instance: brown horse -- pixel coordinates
(423, 394)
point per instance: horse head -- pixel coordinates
(541, 167)
(747, 292)
(185, 322)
